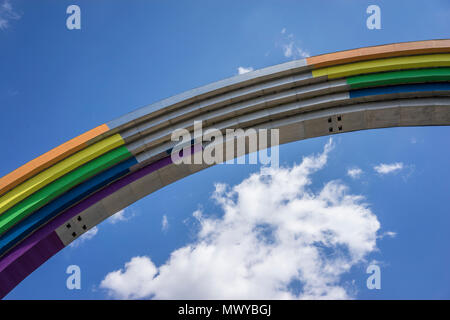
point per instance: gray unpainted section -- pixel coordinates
(261, 95)
(368, 115)
(153, 135)
(250, 99)
(284, 96)
(163, 126)
(160, 141)
(216, 88)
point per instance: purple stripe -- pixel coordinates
(28, 255)
(27, 263)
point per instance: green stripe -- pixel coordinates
(399, 77)
(60, 186)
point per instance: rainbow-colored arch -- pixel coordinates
(53, 199)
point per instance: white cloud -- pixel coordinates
(164, 223)
(118, 217)
(275, 232)
(132, 283)
(291, 47)
(85, 237)
(122, 215)
(302, 53)
(354, 173)
(287, 49)
(291, 50)
(242, 70)
(384, 168)
(389, 234)
(415, 140)
(7, 14)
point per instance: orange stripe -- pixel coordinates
(48, 159)
(377, 52)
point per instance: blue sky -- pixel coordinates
(56, 84)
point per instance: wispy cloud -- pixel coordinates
(291, 47)
(318, 237)
(120, 216)
(384, 168)
(7, 14)
(389, 234)
(414, 140)
(117, 217)
(242, 70)
(85, 237)
(164, 223)
(354, 173)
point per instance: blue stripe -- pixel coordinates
(440, 86)
(65, 201)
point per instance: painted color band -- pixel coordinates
(58, 187)
(399, 77)
(28, 255)
(388, 64)
(379, 52)
(49, 158)
(422, 87)
(25, 227)
(58, 170)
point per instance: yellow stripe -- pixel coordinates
(380, 65)
(59, 169)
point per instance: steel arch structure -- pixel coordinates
(52, 200)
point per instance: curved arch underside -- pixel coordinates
(52, 200)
